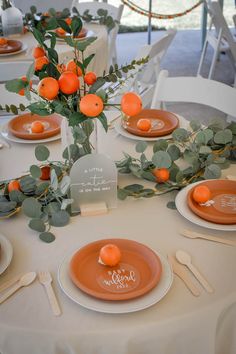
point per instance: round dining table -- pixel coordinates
(179, 323)
(65, 53)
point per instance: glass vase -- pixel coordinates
(12, 21)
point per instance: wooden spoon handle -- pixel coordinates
(53, 300)
(193, 234)
(202, 280)
(10, 292)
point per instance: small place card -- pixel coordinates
(93, 185)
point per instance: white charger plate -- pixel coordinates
(9, 136)
(183, 123)
(6, 253)
(186, 212)
(138, 304)
(23, 49)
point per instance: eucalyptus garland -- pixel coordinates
(189, 156)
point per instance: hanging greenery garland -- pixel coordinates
(144, 12)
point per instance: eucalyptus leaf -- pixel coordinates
(32, 208)
(59, 218)
(180, 134)
(161, 159)
(35, 171)
(223, 137)
(212, 172)
(17, 196)
(195, 125)
(41, 153)
(141, 146)
(174, 152)
(122, 194)
(27, 184)
(52, 207)
(160, 144)
(7, 206)
(171, 205)
(37, 225)
(135, 188)
(54, 179)
(47, 237)
(65, 203)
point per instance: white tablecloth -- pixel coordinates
(100, 47)
(179, 324)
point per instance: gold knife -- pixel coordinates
(179, 270)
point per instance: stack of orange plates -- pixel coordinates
(11, 47)
(222, 209)
(138, 272)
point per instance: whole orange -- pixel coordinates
(90, 78)
(3, 41)
(110, 255)
(60, 31)
(13, 186)
(22, 91)
(68, 82)
(91, 105)
(48, 88)
(68, 20)
(131, 104)
(71, 66)
(45, 173)
(37, 127)
(162, 174)
(40, 62)
(38, 52)
(201, 194)
(144, 124)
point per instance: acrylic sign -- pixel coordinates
(93, 181)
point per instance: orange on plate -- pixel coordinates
(137, 273)
(163, 123)
(110, 255)
(20, 126)
(144, 124)
(12, 46)
(223, 208)
(37, 127)
(201, 194)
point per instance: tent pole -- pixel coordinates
(149, 22)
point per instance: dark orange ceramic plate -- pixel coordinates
(20, 126)
(223, 210)
(162, 123)
(11, 47)
(138, 272)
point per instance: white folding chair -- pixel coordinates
(198, 90)
(220, 38)
(143, 82)
(13, 70)
(114, 12)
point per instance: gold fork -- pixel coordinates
(46, 280)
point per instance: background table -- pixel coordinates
(100, 47)
(178, 324)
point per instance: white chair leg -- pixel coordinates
(204, 49)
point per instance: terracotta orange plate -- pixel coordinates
(138, 272)
(11, 47)
(82, 34)
(20, 126)
(162, 123)
(223, 208)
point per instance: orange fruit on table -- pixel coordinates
(110, 255)
(71, 66)
(48, 88)
(37, 127)
(3, 41)
(38, 52)
(68, 82)
(45, 173)
(90, 78)
(162, 174)
(91, 105)
(40, 62)
(131, 104)
(13, 186)
(22, 91)
(144, 124)
(201, 194)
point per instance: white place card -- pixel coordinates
(93, 185)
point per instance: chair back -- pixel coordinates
(13, 70)
(113, 11)
(194, 90)
(220, 24)
(42, 5)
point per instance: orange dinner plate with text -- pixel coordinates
(162, 123)
(138, 272)
(20, 126)
(222, 206)
(11, 46)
